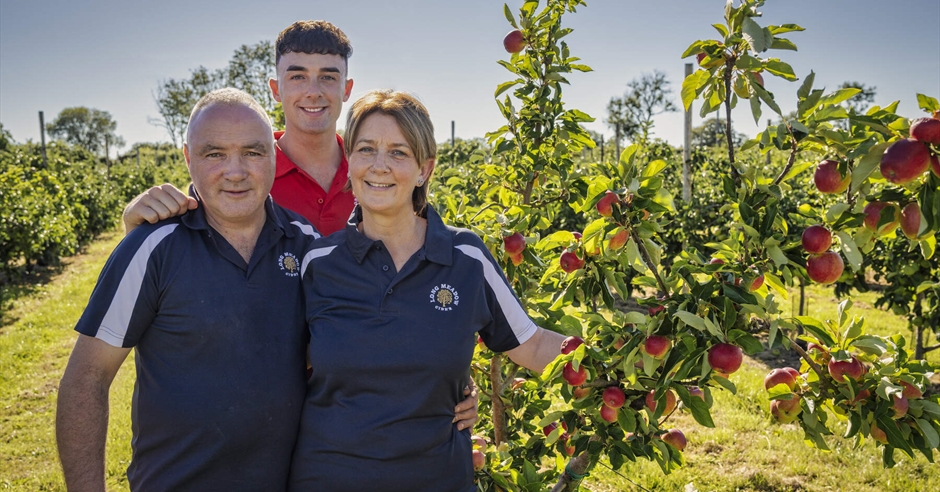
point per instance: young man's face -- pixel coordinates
(312, 88)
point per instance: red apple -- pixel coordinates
(818, 352)
(572, 377)
(725, 357)
(517, 383)
(656, 346)
(785, 411)
(609, 414)
(828, 179)
(911, 219)
(675, 438)
(878, 434)
(900, 406)
(478, 442)
(825, 268)
(926, 130)
(873, 212)
(580, 392)
(514, 42)
(479, 459)
(711, 63)
(904, 161)
(605, 204)
(935, 165)
(670, 401)
(757, 283)
(569, 344)
(860, 397)
(577, 236)
(548, 429)
(839, 369)
(614, 397)
(618, 240)
(514, 243)
(516, 259)
(816, 239)
(570, 262)
(758, 78)
(911, 391)
(696, 391)
(781, 376)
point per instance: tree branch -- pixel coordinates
(648, 261)
(823, 375)
(576, 470)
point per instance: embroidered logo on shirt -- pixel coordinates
(444, 297)
(289, 264)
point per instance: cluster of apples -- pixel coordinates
(570, 375)
(784, 411)
(563, 438)
(908, 159)
(479, 452)
(822, 265)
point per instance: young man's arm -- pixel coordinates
(157, 203)
(82, 412)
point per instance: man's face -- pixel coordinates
(312, 88)
(230, 155)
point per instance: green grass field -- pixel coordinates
(745, 452)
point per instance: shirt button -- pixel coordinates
(389, 292)
(320, 201)
(384, 268)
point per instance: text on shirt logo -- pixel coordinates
(289, 265)
(444, 297)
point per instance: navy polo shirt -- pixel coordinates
(219, 350)
(390, 354)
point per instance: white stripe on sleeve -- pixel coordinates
(522, 326)
(114, 325)
(312, 255)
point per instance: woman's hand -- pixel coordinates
(466, 411)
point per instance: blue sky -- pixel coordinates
(110, 54)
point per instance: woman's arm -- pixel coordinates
(536, 352)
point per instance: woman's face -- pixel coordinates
(383, 171)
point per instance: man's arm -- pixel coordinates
(82, 412)
(538, 351)
(157, 203)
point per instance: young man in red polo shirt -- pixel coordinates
(312, 85)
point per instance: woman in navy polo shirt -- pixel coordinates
(394, 303)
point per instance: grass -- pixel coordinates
(744, 452)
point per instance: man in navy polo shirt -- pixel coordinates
(213, 305)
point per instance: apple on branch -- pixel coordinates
(787, 376)
(926, 130)
(873, 213)
(786, 411)
(829, 180)
(609, 414)
(725, 357)
(514, 243)
(605, 206)
(816, 239)
(840, 369)
(618, 240)
(572, 377)
(825, 268)
(670, 401)
(656, 346)
(514, 42)
(904, 161)
(614, 397)
(912, 220)
(570, 262)
(675, 438)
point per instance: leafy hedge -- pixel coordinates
(50, 211)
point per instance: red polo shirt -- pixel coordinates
(327, 210)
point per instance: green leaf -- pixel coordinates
(692, 85)
(807, 85)
(817, 329)
(927, 103)
(784, 28)
(627, 419)
(777, 255)
(774, 282)
(870, 344)
(850, 250)
(728, 385)
(930, 434)
(509, 17)
(780, 69)
(866, 165)
(928, 246)
(692, 320)
(501, 88)
(698, 407)
(750, 344)
(580, 67)
(767, 98)
(653, 168)
(721, 29)
(756, 36)
(839, 95)
(782, 44)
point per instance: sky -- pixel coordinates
(112, 54)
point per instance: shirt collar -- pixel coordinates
(438, 240)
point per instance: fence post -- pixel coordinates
(687, 149)
(42, 138)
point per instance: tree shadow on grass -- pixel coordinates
(23, 282)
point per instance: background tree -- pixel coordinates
(249, 69)
(89, 128)
(711, 133)
(645, 98)
(861, 101)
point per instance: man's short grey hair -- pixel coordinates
(230, 96)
